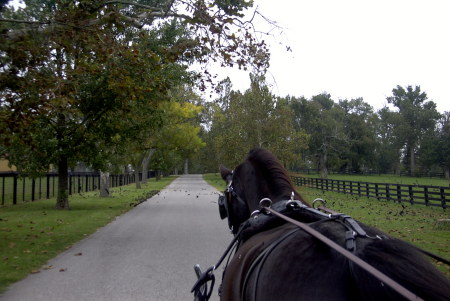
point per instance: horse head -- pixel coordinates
(260, 176)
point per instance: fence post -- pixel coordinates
(3, 191)
(48, 186)
(40, 187)
(33, 189)
(15, 189)
(443, 204)
(399, 193)
(388, 195)
(70, 184)
(411, 195)
(23, 188)
(425, 190)
(79, 186)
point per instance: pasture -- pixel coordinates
(416, 224)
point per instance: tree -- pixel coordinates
(444, 143)
(74, 73)
(359, 128)
(388, 147)
(435, 146)
(180, 133)
(255, 118)
(416, 116)
(323, 121)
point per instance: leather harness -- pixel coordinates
(270, 214)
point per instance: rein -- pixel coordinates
(200, 288)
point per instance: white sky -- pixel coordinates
(352, 49)
(356, 48)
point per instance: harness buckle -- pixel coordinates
(350, 240)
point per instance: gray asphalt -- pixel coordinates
(145, 254)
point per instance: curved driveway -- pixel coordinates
(145, 254)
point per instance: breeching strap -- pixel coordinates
(350, 256)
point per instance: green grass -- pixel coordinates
(31, 233)
(413, 223)
(215, 180)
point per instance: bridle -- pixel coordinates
(224, 200)
(201, 290)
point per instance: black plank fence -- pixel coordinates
(315, 171)
(413, 194)
(16, 188)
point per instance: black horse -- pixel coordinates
(276, 260)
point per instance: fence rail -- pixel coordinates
(315, 171)
(413, 194)
(16, 188)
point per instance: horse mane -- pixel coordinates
(273, 172)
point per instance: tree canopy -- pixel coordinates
(81, 78)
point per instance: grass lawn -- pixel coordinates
(413, 223)
(31, 233)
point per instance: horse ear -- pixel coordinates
(224, 172)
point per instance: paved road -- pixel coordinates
(145, 254)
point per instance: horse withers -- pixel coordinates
(276, 260)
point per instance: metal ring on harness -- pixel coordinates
(321, 201)
(264, 204)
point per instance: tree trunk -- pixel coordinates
(186, 165)
(136, 176)
(104, 184)
(145, 163)
(412, 161)
(62, 200)
(323, 166)
(447, 173)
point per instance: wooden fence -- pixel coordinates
(413, 194)
(315, 171)
(18, 188)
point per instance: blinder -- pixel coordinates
(223, 206)
(223, 199)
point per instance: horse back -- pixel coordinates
(286, 263)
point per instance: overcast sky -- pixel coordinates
(358, 48)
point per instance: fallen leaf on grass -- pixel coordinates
(35, 271)
(48, 267)
(12, 244)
